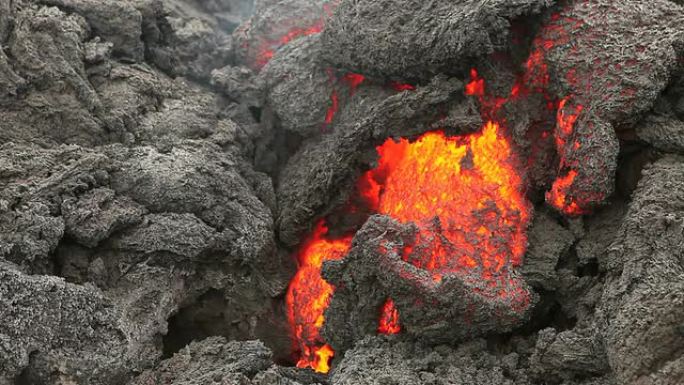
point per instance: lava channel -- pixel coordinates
(308, 296)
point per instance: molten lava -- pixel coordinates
(309, 295)
(389, 318)
(467, 189)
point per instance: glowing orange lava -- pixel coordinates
(389, 318)
(476, 86)
(269, 47)
(466, 188)
(309, 295)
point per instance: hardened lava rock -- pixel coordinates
(642, 308)
(608, 62)
(215, 360)
(380, 360)
(297, 88)
(53, 329)
(455, 307)
(274, 24)
(415, 40)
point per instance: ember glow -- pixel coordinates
(309, 295)
(268, 46)
(558, 196)
(389, 318)
(467, 188)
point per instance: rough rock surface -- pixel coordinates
(548, 241)
(662, 132)
(213, 360)
(568, 354)
(643, 301)
(608, 71)
(416, 40)
(298, 89)
(134, 187)
(274, 24)
(56, 332)
(142, 240)
(377, 360)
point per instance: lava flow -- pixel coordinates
(309, 295)
(389, 318)
(467, 188)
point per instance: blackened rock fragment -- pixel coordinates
(455, 307)
(600, 232)
(377, 361)
(59, 103)
(237, 83)
(34, 183)
(52, 328)
(409, 39)
(643, 301)
(197, 178)
(186, 42)
(116, 21)
(28, 235)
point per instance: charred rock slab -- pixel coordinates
(298, 89)
(548, 241)
(569, 354)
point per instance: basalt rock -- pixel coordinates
(644, 289)
(409, 40)
(276, 23)
(548, 241)
(609, 72)
(379, 360)
(53, 331)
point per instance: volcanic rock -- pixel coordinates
(548, 241)
(665, 133)
(213, 360)
(608, 72)
(379, 360)
(297, 88)
(569, 354)
(276, 23)
(410, 40)
(643, 300)
(58, 332)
